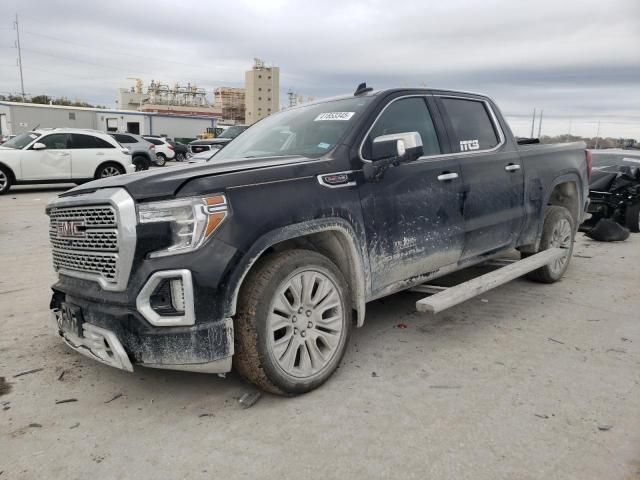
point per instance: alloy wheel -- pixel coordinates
(109, 171)
(305, 323)
(561, 238)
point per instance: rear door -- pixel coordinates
(493, 180)
(87, 153)
(51, 163)
(413, 215)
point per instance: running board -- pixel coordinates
(448, 297)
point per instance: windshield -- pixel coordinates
(310, 131)
(21, 140)
(232, 132)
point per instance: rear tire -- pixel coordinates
(5, 181)
(180, 157)
(161, 159)
(558, 230)
(632, 217)
(109, 170)
(141, 163)
(293, 322)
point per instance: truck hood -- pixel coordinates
(165, 182)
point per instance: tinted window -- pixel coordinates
(155, 141)
(124, 138)
(403, 116)
(55, 141)
(471, 123)
(101, 143)
(232, 132)
(88, 141)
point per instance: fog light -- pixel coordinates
(167, 299)
(177, 294)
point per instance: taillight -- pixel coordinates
(170, 147)
(589, 158)
(152, 147)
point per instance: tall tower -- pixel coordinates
(262, 91)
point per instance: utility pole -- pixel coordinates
(533, 123)
(19, 57)
(540, 123)
(293, 101)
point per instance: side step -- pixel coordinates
(448, 297)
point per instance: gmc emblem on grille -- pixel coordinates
(71, 228)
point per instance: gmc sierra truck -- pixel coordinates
(264, 258)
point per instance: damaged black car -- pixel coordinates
(614, 189)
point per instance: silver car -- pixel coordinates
(143, 153)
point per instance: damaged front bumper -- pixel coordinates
(120, 338)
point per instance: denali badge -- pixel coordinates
(71, 228)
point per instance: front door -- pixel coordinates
(413, 215)
(493, 180)
(50, 163)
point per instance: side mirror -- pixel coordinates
(38, 146)
(399, 147)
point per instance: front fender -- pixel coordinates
(359, 264)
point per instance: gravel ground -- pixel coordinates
(528, 381)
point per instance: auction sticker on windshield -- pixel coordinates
(334, 116)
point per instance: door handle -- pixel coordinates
(445, 177)
(512, 167)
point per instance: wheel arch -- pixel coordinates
(109, 162)
(9, 171)
(564, 191)
(335, 238)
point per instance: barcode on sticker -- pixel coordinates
(334, 116)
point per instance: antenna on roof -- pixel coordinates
(362, 88)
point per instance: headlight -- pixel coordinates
(192, 221)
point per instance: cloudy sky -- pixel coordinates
(578, 60)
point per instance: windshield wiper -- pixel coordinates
(267, 156)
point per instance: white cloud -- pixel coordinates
(575, 59)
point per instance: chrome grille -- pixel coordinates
(93, 216)
(105, 265)
(98, 240)
(89, 243)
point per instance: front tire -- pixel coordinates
(293, 322)
(632, 217)
(109, 170)
(558, 230)
(5, 181)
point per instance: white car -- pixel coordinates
(61, 155)
(164, 150)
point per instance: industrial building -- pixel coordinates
(231, 101)
(262, 91)
(159, 97)
(16, 117)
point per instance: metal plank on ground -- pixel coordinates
(469, 289)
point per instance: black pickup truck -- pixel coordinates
(265, 257)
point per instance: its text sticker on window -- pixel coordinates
(334, 116)
(466, 145)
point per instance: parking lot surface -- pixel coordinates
(528, 381)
